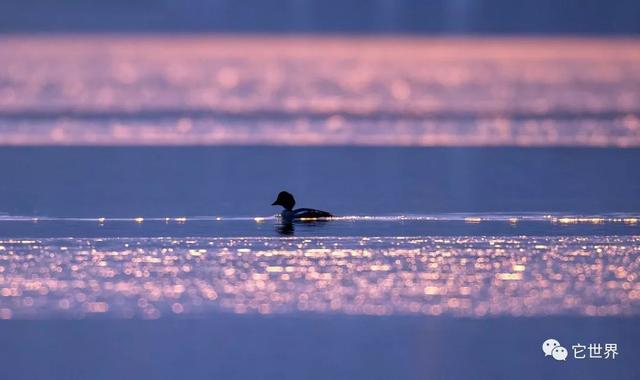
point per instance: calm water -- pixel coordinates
(486, 194)
(151, 232)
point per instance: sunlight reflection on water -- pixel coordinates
(125, 90)
(460, 276)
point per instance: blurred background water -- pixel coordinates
(481, 157)
(261, 90)
(327, 16)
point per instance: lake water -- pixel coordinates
(119, 254)
(177, 90)
(456, 276)
(485, 193)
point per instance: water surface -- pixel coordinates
(486, 192)
(408, 91)
(474, 276)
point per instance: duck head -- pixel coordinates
(285, 200)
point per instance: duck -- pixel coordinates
(286, 200)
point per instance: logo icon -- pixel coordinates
(560, 353)
(551, 347)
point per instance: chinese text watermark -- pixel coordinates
(553, 348)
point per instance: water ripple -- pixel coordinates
(458, 276)
(134, 90)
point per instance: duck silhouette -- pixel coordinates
(286, 200)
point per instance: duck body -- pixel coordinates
(289, 214)
(304, 213)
